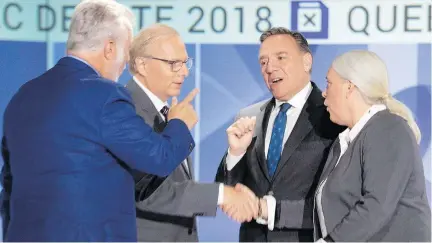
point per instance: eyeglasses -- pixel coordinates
(176, 65)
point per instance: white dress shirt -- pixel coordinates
(297, 102)
(345, 138)
(159, 104)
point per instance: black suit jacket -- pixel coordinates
(296, 177)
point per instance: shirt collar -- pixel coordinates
(85, 62)
(350, 134)
(158, 103)
(299, 99)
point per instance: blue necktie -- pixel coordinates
(276, 141)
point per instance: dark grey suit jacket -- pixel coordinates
(296, 177)
(377, 190)
(166, 207)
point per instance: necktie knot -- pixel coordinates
(164, 112)
(285, 107)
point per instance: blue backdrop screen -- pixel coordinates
(226, 67)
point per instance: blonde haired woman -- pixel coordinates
(372, 187)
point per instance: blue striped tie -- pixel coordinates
(276, 141)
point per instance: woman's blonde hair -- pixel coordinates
(368, 73)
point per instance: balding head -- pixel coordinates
(159, 60)
(145, 39)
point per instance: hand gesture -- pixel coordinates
(184, 110)
(240, 135)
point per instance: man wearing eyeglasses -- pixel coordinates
(167, 206)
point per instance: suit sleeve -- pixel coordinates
(187, 199)
(233, 176)
(129, 138)
(388, 155)
(296, 214)
(236, 174)
(6, 177)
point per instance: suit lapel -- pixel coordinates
(309, 116)
(331, 159)
(150, 114)
(145, 107)
(302, 127)
(260, 131)
(190, 171)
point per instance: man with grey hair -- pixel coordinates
(72, 135)
(282, 158)
(167, 206)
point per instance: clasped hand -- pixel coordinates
(240, 203)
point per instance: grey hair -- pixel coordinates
(368, 72)
(94, 21)
(143, 40)
(298, 37)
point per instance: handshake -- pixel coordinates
(242, 205)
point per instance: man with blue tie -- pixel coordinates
(71, 137)
(281, 158)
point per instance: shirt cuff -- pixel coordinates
(271, 211)
(232, 160)
(220, 195)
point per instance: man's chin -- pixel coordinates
(278, 95)
(174, 94)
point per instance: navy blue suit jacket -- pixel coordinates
(65, 134)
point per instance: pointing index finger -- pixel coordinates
(190, 96)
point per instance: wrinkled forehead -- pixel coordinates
(277, 45)
(169, 47)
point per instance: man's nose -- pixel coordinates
(184, 71)
(270, 67)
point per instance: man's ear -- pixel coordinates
(141, 66)
(307, 62)
(110, 50)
